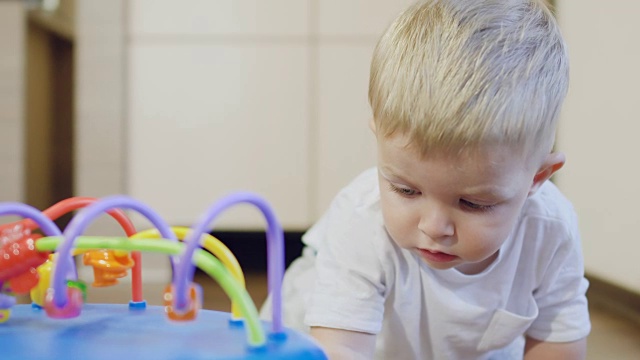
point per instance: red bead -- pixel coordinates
(24, 282)
(19, 257)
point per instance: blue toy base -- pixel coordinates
(115, 332)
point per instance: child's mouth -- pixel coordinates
(436, 256)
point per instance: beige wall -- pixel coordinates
(11, 100)
(599, 133)
(150, 72)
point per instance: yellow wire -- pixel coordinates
(213, 245)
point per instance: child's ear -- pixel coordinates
(372, 125)
(552, 163)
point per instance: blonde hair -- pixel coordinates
(457, 74)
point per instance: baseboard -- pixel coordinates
(614, 298)
(250, 247)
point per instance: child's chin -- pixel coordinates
(440, 265)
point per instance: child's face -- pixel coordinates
(452, 211)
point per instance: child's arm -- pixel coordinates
(344, 344)
(536, 349)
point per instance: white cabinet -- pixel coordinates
(214, 97)
(208, 119)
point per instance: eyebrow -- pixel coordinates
(493, 192)
(393, 177)
(389, 174)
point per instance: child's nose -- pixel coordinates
(435, 221)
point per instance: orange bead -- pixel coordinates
(108, 267)
(194, 303)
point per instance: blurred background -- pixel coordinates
(177, 103)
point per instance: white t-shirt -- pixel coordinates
(353, 276)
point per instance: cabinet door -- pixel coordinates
(208, 119)
(219, 102)
(345, 144)
(346, 39)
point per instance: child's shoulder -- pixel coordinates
(549, 203)
(361, 193)
(353, 213)
(548, 215)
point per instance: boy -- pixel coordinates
(456, 246)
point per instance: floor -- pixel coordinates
(612, 337)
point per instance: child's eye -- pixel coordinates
(403, 190)
(475, 207)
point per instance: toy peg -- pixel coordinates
(75, 299)
(39, 292)
(4, 315)
(193, 305)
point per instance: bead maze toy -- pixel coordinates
(59, 325)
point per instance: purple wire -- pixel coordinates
(275, 252)
(47, 225)
(6, 301)
(81, 221)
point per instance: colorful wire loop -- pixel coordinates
(203, 259)
(66, 294)
(275, 251)
(64, 266)
(211, 244)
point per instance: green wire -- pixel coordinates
(204, 260)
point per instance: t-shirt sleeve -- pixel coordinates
(350, 285)
(561, 296)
